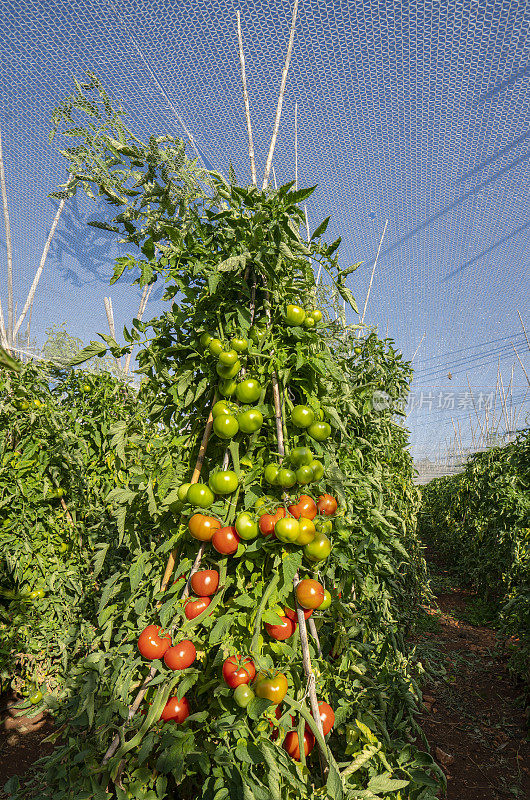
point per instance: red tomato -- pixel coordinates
(181, 655)
(283, 631)
(226, 540)
(271, 687)
(309, 593)
(193, 608)
(153, 642)
(268, 521)
(326, 504)
(205, 582)
(290, 744)
(294, 616)
(176, 710)
(237, 670)
(202, 527)
(304, 507)
(327, 715)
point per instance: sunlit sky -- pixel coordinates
(411, 112)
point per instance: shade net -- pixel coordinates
(411, 112)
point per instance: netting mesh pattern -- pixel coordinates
(414, 112)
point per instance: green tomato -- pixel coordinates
(301, 456)
(23, 405)
(56, 494)
(222, 407)
(182, 491)
(243, 694)
(240, 345)
(319, 549)
(223, 482)
(228, 357)
(205, 339)
(225, 426)
(257, 333)
(250, 421)
(323, 525)
(37, 403)
(286, 477)
(200, 495)
(271, 474)
(246, 526)
(287, 530)
(302, 416)
(62, 547)
(85, 387)
(227, 387)
(317, 315)
(37, 594)
(248, 391)
(318, 470)
(304, 475)
(309, 322)
(326, 602)
(319, 431)
(216, 347)
(357, 351)
(35, 698)
(228, 370)
(294, 315)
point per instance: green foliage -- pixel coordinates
(231, 263)
(55, 472)
(480, 522)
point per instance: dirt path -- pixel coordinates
(20, 739)
(476, 727)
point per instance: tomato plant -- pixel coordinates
(234, 265)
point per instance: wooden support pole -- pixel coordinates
(276, 128)
(143, 303)
(373, 273)
(247, 103)
(9, 250)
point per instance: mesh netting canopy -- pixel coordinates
(411, 112)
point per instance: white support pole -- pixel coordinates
(110, 319)
(373, 273)
(247, 103)
(276, 128)
(31, 294)
(296, 146)
(143, 303)
(9, 250)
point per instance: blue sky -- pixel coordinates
(413, 112)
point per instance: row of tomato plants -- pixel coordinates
(479, 521)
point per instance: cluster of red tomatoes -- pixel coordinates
(310, 596)
(292, 525)
(239, 673)
(153, 643)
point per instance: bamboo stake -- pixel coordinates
(373, 273)
(143, 303)
(9, 251)
(3, 332)
(524, 329)
(474, 406)
(310, 675)
(247, 103)
(307, 229)
(31, 294)
(521, 363)
(418, 347)
(274, 177)
(194, 478)
(110, 319)
(270, 156)
(296, 146)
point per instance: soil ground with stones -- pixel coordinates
(473, 712)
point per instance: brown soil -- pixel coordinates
(21, 738)
(474, 722)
